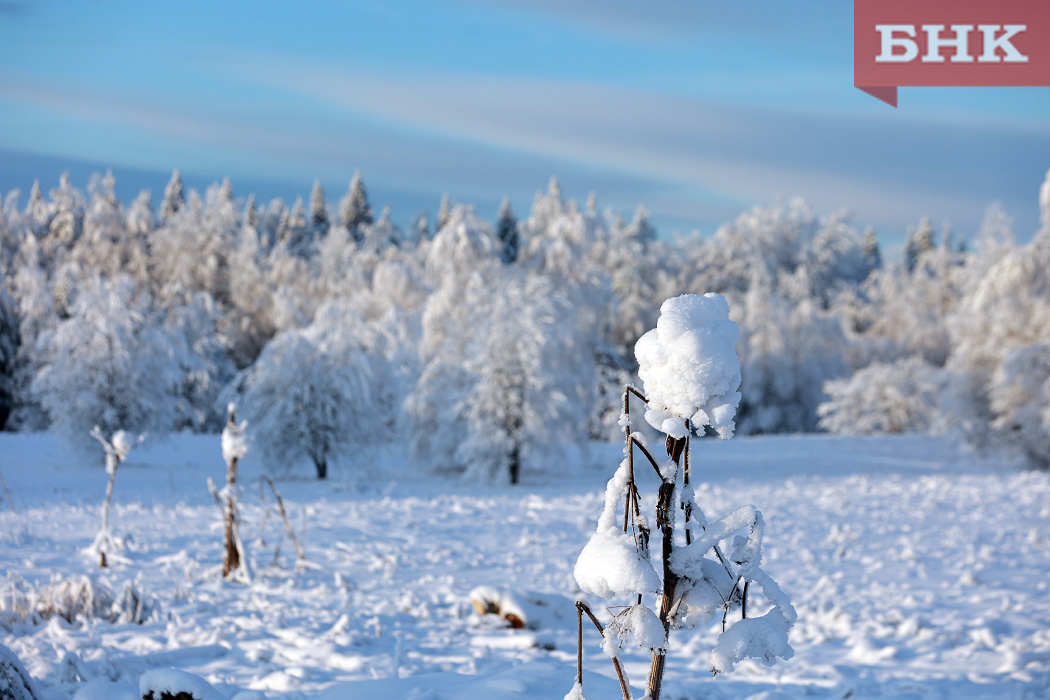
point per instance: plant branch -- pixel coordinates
(624, 688)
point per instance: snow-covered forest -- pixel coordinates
(483, 343)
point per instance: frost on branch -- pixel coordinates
(689, 366)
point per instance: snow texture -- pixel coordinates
(689, 367)
(919, 570)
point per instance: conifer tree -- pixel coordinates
(444, 212)
(318, 212)
(173, 196)
(507, 232)
(354, 209)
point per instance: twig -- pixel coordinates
(284, 516)
(624, 688)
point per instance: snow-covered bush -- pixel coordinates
(691, 373)
(883, 397)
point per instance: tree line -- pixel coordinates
(486, 345)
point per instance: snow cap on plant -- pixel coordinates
(689, 367)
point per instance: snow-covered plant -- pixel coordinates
(691, 373)
(234, 448)
(117, 448)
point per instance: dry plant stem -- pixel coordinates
(665, 521)
(284, 516)
(579, 645)
(105, 508)
(624, 688)
(231, 559)
(9, 499)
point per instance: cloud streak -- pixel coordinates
(718, 152)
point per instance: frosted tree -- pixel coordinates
(140, 220)
(38, 211)
(307, 395)
(107, 365)
(116, 448)
(883, 398)
(173, 196)
(318, 212)
(293, 232)
(67, 221)
(710, 569)
(354, 209)
(201, 350)
(444, 212)
(516, 406)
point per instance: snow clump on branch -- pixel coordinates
(689, 366)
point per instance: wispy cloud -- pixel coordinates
(719, 152)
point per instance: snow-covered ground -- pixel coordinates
(917, 571)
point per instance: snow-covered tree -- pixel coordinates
(307, 395)
(107, 365)
(354, 209)
(173, 196)
(318, 212)
(518, 371)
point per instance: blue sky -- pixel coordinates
(698, 109)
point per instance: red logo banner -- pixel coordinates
(949, 42)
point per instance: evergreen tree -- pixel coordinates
(444, 212)
(871, 251)
(318, 212)
(173, 196)
(507, 232)
(293, 233)
(354, 209)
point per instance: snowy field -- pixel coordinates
(917, 571)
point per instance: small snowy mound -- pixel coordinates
(688, 366)
(764, 638)
(610, 566)
(170, 683)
